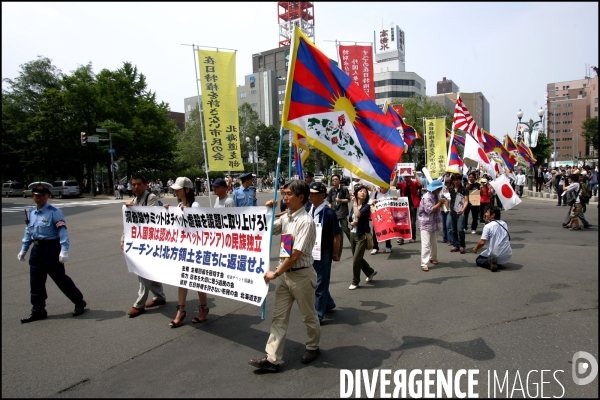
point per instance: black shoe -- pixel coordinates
(263, 363)
(310, 356)
(79, 308)
(587, 226)
(34, 317)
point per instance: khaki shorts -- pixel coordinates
(576, 210)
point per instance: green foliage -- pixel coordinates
(44, 111)
(543, 150)
(590, 131)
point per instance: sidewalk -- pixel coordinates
(548, 196)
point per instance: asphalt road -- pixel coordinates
(532, 315)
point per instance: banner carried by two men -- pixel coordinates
(220, 251)
(220, 109)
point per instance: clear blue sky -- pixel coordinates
(507, 51)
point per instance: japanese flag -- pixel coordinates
(505, 192)
(473, 151)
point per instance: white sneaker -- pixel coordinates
(388, 250)
(374, 251)
(352, 287)
(411, 241)
(473, 232)
(370, 278)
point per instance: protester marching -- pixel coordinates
(225, 250)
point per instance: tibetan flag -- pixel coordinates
(505, 192)
(526, 153)
(448, 134)
(459, 140)
(455, 163)
(391, 113)
(301, 146)
(410, 133)
(510, 144)
(337, 117)
(492, 144)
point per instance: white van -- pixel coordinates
(12, 189)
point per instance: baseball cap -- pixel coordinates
(182, 182)
(219, 182)
(317, 187)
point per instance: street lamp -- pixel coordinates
(528, 127)
(257, 139)
(255, 156)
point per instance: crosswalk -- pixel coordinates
(62, 204)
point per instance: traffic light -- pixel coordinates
(83, 138)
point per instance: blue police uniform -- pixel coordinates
(244, 197)
(47, 231)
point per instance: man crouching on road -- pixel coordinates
(298, 278)
(495, 233)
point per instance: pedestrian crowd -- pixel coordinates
(314, 219)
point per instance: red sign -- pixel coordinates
(391, 219)
(357, 62)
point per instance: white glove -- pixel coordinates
(62, 257)
(21, 256)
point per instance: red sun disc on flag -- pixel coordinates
(507, 191)
(483, 155)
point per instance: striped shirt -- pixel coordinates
(304, 234)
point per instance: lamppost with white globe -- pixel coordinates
(255, 156)
(528, 127)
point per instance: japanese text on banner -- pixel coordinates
(219, 103)
(224, 252)
(435, 136)
(391, 219)
(357, 63)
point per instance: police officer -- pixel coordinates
(47, 230)
(245, 195)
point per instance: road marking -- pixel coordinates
(15, 209)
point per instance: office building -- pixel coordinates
(392, 81)
(568, 105)
(476, 103)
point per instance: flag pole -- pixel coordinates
(290, 140)
(275, 190)
(201, 124)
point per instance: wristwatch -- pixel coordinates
(276, 274)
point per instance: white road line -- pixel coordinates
(62, 205)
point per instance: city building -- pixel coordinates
(568, 105)
(476, 103)
(446, 86)
(392, 81)
(179, 119)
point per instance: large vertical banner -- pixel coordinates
(357, 63)
(220, 251)
(435, 137)
(219, 103)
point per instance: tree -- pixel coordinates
(190, 150)
(589, 131)
(20, 103)
(543, 150)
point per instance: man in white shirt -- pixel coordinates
(496, 233)
(520, 182)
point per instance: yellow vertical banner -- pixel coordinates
(435, 137)
(219, 105)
